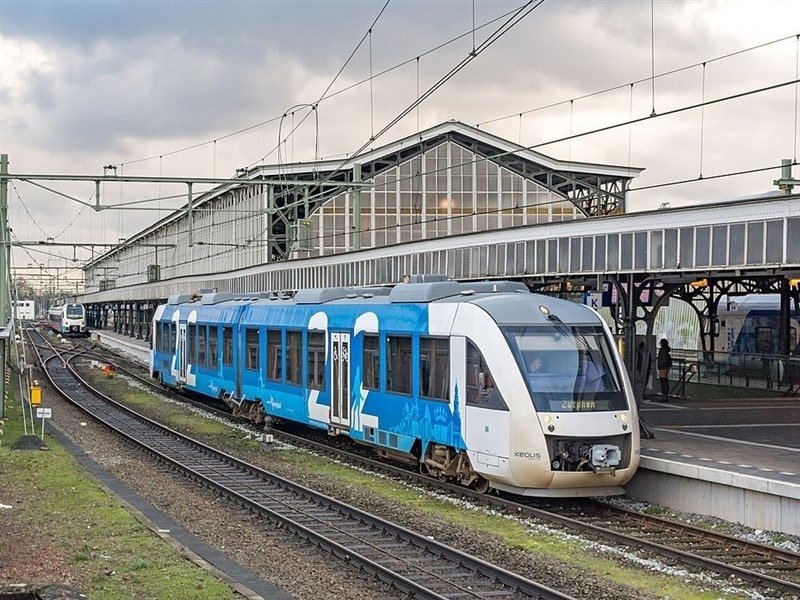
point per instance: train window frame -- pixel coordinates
(173, 337)
(762, 340)
(486, 395)
(371, 362)
(315, 359)
(294, 357)
(397, 355)
(227, 346)
(274, 355)
(191, 343)
(432, 348)
(202, 345)
(251, 360)
(213, 346)
(576, 371)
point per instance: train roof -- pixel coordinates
(508, 302)
(743, 304)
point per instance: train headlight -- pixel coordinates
(547, 419)
(623, 417)
(544, 310)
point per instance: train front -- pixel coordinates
(74, 320)
(575, 429)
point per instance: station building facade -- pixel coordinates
(448, 180)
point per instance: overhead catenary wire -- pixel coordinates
(507, 25)
(613, 126)
(638, 81)
(702, 105)
(326, 96)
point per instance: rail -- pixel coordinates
(413, 563)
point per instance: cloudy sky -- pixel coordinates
(198, 88)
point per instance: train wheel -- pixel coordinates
(482, 485)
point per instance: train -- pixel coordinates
(68, 319)
(749, 332)
(484, 384)
(750, 325)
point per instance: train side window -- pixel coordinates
(294, 357)
(251, 343)
(316, 360)
(227, 346)
(173, 338)
(434, 368)
(481, 390)
(398, 364)
(274, 356)
(371, 359)
(202, 348)
(213, 346)
(191, 343)
(763, 340)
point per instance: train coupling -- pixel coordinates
(604, 458)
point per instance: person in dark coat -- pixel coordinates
(663, 364)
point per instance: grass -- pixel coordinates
(67, 529)
(510, 531)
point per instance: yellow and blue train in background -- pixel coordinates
(482, 383)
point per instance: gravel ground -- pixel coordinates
(283, 559)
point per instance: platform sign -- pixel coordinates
(44, 413)
(593, 300)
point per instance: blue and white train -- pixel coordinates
(68, 319)
(750, 325)
(483, 383)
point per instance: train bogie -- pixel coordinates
(432, 373)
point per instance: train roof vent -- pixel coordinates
(426, 278)
(217, 298)
(178, 299)
(429, 292)
(487, 287)
(320, 296)
(425, 292)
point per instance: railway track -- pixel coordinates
(762, 566)
(412, 563)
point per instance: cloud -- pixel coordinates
(85, 84)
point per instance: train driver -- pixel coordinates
(590, 374)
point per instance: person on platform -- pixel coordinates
(663, 364)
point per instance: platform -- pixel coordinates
(135, 348)
(736, 459)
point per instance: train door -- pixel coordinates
(340, 379)
(182, 352)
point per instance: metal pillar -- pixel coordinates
(356, 208)
(5, 279)
(784, 326)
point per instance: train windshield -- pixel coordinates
(568, 369)
(74, 311)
